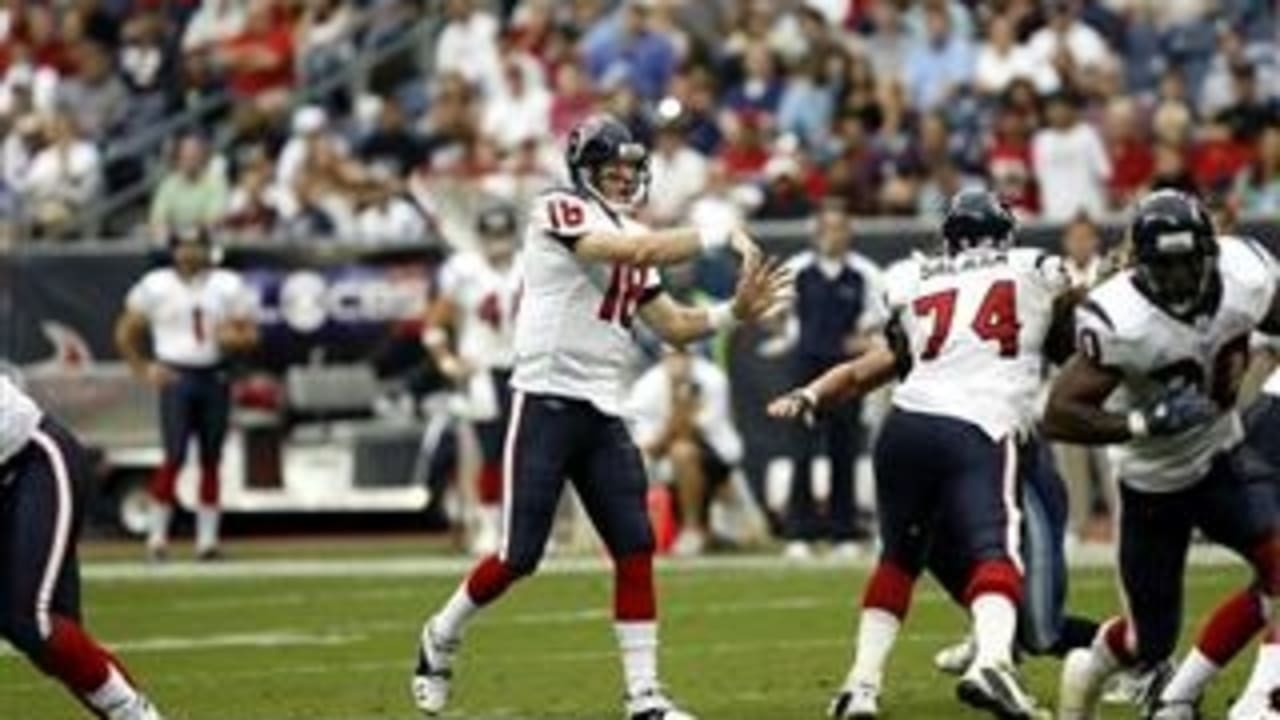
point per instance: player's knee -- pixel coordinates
(685, 453)
(890, 588)
(995, 576)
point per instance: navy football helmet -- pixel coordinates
(976, 218)
(1175, 250)
(598, 142)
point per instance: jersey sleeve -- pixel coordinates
(875, 312)
(1098, 339)
(451, 276)
(142, 297)
(900, 284)
(1050, 272)
(560, 216)
(1255, 269)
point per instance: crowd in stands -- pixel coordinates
(755, 107)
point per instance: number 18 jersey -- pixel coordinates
(977, 323)
(1120, 329)
(573, 335)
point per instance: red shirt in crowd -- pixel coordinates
(1132, 163)
(1219, 160)
(1009, 164)
(276, 40)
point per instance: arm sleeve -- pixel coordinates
(141, 297)
(875, 312)
(560, 216)
(1098, 340)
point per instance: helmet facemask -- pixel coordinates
(1179, 275)
(622, 182)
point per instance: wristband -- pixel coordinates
(712, 237)
(720, 316)
(1138, 424)
(809, 396)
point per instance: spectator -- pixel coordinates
(325, 37)
(1217, 91)
(1009, 163)
(684, 425)
(679, 176)
(646, 59)
(760, 91)
(937, 64)
(1081, 246)
(392, 143)
(390, 218)
(716, 206)
(1001, 59)
(310, 127)
(886, 47)
(21, 145)
(1260, 187)
(214, 23)
(573, 100)
(1070, 163)
(837, 314)
(743, 150)
(1171, 170)
(1248, 112)
(785, 196)
(943, 181)
(254, 206)
(1130, 153)
(1067, 44)
(192, 195)
(958, 17)
(148, 71)
(1172, 117)
(96, 93)
(64, 178)
(807, 106)
(259, 60)
(521, 108)
(468, 46)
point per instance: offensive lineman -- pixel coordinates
(477, 302)
(1161, 351)
(975, 320)
(197, 315)
(588, 270)
(44, 473)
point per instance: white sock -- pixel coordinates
(1102, 662)
(114, 694)
(1266, 670)
(877, 632)
(1187, 684)
(452, 618)
(158, 532)
(207, 527)
(638, 642)
(995, 622)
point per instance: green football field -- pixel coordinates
(327, 633)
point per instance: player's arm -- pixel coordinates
(132, 329)
(1075, 411)
(762, 288)
(238, 334)
(441, 317)
(662, 247)
(858, 377)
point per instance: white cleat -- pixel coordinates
(1176, 711)
(798, 550)
(997, 690)
(1080, 687)
(847, 551)
(434, 671)
(955, 659)
(860, 701)
(689, 543)
(654, 705)
(1129, 687)
(139, 709)
(1255, 706)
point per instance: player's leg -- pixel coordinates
(1155, 533)
(40, 519)
(213, 412)
(176, 424)
(907, 494)
(612, 484)
(541, 437)
(688, 465)
(489, 480)
(801, 522)
(844, 444)
(1237, 508)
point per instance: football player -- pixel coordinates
(44, 475)
(197, 315)
(971, 323)
(1161, 350)
(477, 299)
(588, 271)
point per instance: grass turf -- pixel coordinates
(739, 643)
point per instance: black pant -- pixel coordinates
(838, 435)
(40, 520)
(1230, 505)
(491, 433)
(198, 403)
(1262, 425)
(553, 439)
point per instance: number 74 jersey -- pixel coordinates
(976, 322)
(1119, 328)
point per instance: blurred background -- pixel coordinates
(341, 151)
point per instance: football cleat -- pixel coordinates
(1080, 687)
(138, 709)
(860, 701)
(1129, 687)
(654, 705)
(210, 554)
(1255, 705)
(797, 550)
(955, 659)
(997, 690)
(434, 672)
(1174, 711)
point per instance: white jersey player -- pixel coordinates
(196, 315)
(477, 297)
(588, 271)
(1162, 348)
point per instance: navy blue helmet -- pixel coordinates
(1175, 250)
(976, 218)
(598, 142)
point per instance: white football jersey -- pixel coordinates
(19, 418)
(573, 328)
(184, 315)
(1120, 329)
(485, 298)
(977, 323)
